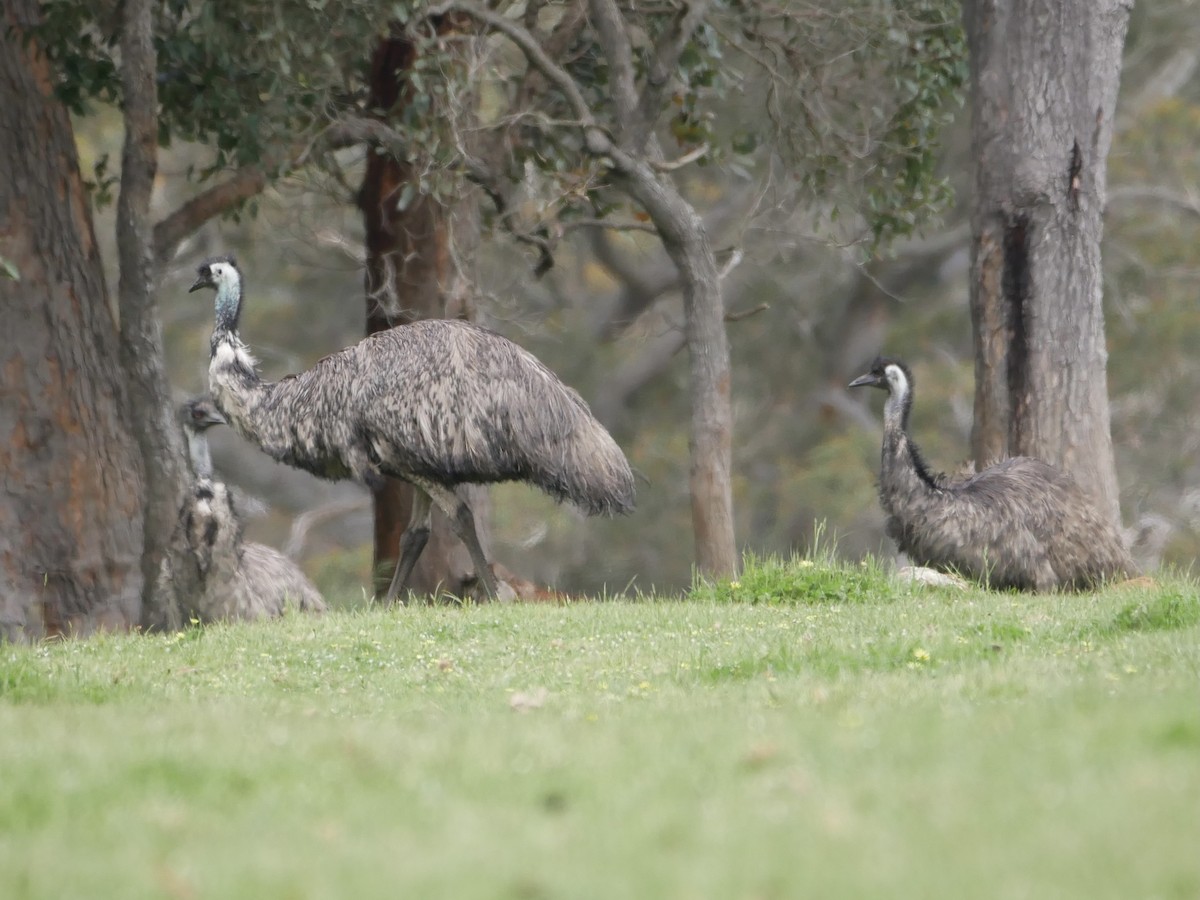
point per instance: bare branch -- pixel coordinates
(614, 39)
(662, 64)
(535, 54)
(746, 313)
(690, 157)
(1172, 76)
(170, 232)
(735, 260)
(312, 518)
(569, 25)
(1180, 201)
(576, 224)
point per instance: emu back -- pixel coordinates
(445, 401)
(1019, 524)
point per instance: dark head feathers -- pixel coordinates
(876, 376)
(204, 273)
(223, 258)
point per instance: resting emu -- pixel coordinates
(238, 580)
(437, 403)
(1018, 524)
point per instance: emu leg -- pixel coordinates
(463, 523)
(412, 542)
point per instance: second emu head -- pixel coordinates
(200, 414)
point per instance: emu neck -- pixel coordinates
(896, 412)
(229, 309)
(198, 451)
(232, 375)
(903, 468)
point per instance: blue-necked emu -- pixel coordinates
(437, 403)
(1018, 524)
(237, 579)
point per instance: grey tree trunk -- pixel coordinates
(1044, 80)
(152, 420)
(71, 502)
(710, 438)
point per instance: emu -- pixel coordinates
(1018, 524)
(239, 580)
(436, 403)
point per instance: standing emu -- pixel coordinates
(437, 403)
(239, 580)
(1018, 524)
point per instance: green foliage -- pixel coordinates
(665, 748)
(102, 183)
(858, 95)
(254, 81)
(929, 74)
(258, 82)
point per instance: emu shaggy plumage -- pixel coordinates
(1018, 524)
(239, 580)
(437, 403)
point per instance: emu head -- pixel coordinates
(896, 378)
(200, 414)
(889, 374)
(217, 273)
(197, 416)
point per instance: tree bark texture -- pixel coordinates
(409, 268)
(70, 507)
(710, 438)
(1044, 82)
(152, 418)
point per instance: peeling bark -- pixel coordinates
(70, 506)
(1044, 88)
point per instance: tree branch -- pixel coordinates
(534, 53)
(1153, 193)
(614, 40)
(171, 231)
(662, 64)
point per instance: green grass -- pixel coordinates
(814, 730)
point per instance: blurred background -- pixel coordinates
(807, 315)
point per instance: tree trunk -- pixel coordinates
(152, 419)
(70, 508)
(409, 269)
(1044, 88)
(710, 436)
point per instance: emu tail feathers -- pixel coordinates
(592, 472)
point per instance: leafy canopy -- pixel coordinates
(849, 95)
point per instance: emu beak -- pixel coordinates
(205, 280)
(867, 380)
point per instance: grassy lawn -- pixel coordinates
(814, 730)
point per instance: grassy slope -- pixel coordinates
(832, 734)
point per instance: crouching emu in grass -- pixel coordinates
(239, 580)
(437, 403)
(1018, 524)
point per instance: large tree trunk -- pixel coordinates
(1044, 87)
(152, 420)
(70, 508)
(409, 271)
